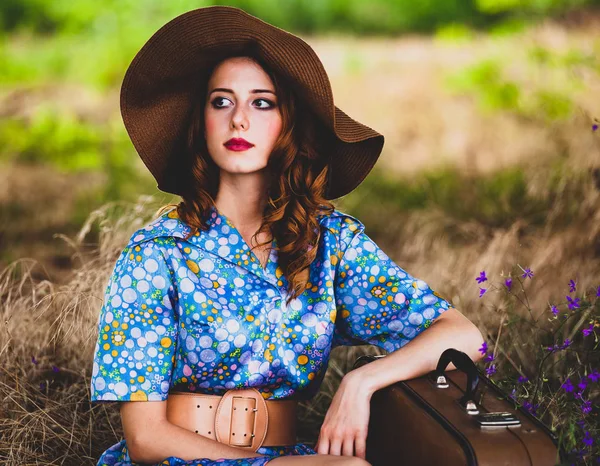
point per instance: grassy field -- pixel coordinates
(491, 164)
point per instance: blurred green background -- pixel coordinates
(64, 150)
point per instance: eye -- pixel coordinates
(263, 107)
(216, 99)
(271, 104)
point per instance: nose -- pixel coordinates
(239, 119)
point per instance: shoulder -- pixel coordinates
(343, 225)
(338, 219)
(166, 225)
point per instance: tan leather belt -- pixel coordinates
(240, 418)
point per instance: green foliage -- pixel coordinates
(93, 42)
(485, 81)
(540, 55)
(554, 105)
(509, 26)
(496, 200)
(529, 6)
(356, 16)
(65, 142)
(454, 33)
(70, 144)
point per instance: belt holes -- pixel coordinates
(246, 409)
(245, 435)
(210, 407)
(196, 431)
(197, 406)
(233, 433)
(209, 431)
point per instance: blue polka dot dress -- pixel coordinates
(203, 316)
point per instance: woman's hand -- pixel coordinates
(344, 430)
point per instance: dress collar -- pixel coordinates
(222, 238)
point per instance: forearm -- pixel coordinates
(420, 355)
(166, 439)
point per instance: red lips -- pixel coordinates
(238, 144)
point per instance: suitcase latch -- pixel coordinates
(499, 419)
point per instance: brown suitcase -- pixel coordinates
(433, 420)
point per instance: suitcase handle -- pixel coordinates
(465, 364)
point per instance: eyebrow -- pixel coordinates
(253, 91)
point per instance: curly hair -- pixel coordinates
(299, 173)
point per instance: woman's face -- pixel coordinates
(241, 103)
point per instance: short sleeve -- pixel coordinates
(137, 329)
(378, 302)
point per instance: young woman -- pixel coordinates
(221, 314)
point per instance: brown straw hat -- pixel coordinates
(161, 86)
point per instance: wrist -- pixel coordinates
(359, 379)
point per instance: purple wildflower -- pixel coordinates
(582, 384)
(55, 369)
(528, 273)
(594, 376)
(598, 292)
(594, 127)
(566, 344)
(572, 287)
(587, 331)
(489, 358)
(513, 393)
(554, 310)
(522, 379)
(491, 370)
(43, 386)
(482, 291)
(508, 283)
(482, 278)
(567, 385)
(483, 348)
(33, 360)
(573, 303)
(588, 440)
(586, 407)
(531, 408)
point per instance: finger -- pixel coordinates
(360, 447)
(348, 447)
(335, 447)
(323, 448)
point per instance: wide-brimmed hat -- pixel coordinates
(160, 89)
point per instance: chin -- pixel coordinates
(243, 169)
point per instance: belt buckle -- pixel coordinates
(242, 419)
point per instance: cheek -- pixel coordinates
(274, 129)
(210, 125)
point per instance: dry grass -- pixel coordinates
(47, 334)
